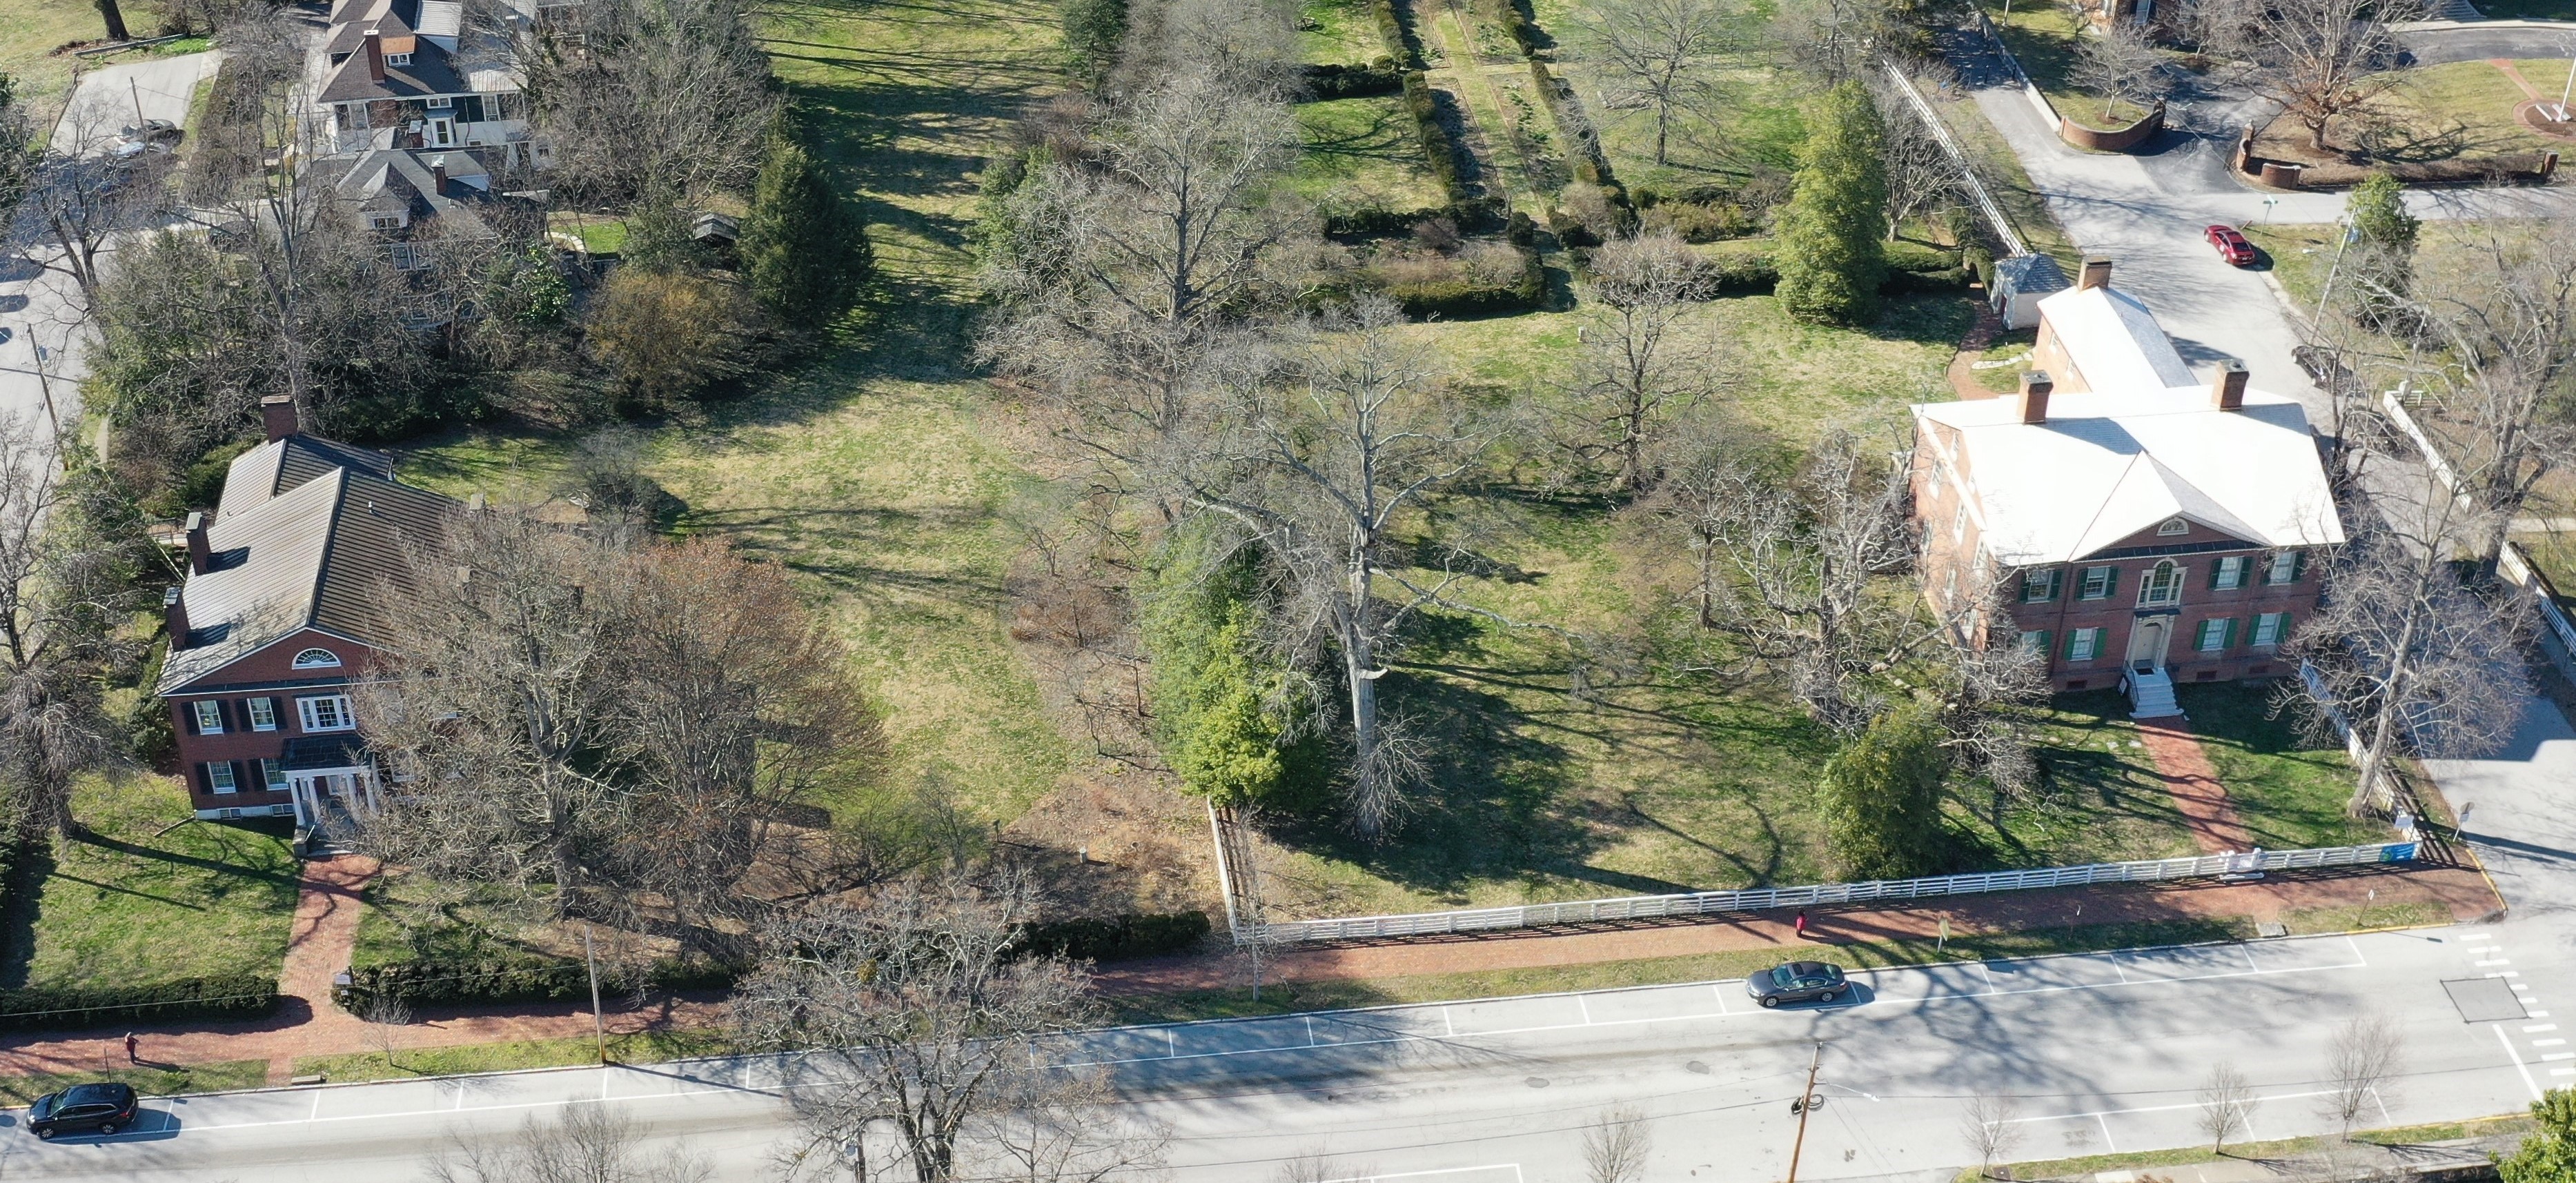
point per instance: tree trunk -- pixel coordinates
(1356, 669)
(115, 18)
(2317, 132)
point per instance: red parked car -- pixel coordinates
(2231, 245)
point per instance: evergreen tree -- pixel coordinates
(1882, 797)
(2550, 1155)
(1225, 713)
(1092, 31)
(804, 250)
(1830, 256)
(2383, 244)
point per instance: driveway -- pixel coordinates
(117, 97)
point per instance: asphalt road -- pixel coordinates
(2103, 1052)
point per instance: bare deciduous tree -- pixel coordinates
(1615, 1146)
(1643, 360)
(584, 1143)
(1129, 277)
(649, 101)
(1664, 50)
(2121, 65)
(1320, 473)
(915, 1014)
(1990, 1124)
(2363, 1059)
(77, 201)
(65, 585)
(2318, 59)
(385, 1016)
(2401, 648)
(1921, 176)
(2226, 1105)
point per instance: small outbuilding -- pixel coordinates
(2021, 282)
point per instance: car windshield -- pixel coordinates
(1784, 976)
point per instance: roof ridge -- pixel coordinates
(2105, 506)
(330, 542)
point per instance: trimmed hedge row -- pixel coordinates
(1134, 935)
(1915, 268)
(1460, 298)
(223, 996)
(1591, 165)
(1399, 40)
(1475, 216)
(1507, 13)
(1438, 149)
(1339, 81)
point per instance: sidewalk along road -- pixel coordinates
(2103, 1051)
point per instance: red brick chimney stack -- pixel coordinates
(277, 414)
(375, 56)
(2035, 385)
(201, 555)
(438, 174)
(2097, 273)
(2227, 385)
(174, 609)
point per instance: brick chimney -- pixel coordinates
(375, 56)
(438, 174)
(277, 414)
(174, 609)
(2097, 273)
(2035, 385)
(2227, 385)
(201, 555)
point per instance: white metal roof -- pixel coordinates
(2114, 340)
(2106, 466)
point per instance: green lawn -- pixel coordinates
(146, 896)
(2289, 790)
(646, 1047)
(151, 1082)
(2467, 109)
(1363, 153)
(1338, 31)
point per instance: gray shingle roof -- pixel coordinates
(317, 553)
(279, 465)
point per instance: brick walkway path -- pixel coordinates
(2193, 781)
(1972, 348)
(2462, 892)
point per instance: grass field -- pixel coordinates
(1363, 153)
(1342, 31)
(646, 1047)
(2288, 788)
(148, 897)
(2044, 38)
(151, 1082)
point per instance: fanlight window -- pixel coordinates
(2163, 585)
(2172, 527)
(312, 659)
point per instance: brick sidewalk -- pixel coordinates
(2188, 775)
(2462, 892)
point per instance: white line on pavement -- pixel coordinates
(2549, 1043)
(2498, 961)
(1513, 1167)
(2518, 1065)
(2554, 1057)
(2539, 1027)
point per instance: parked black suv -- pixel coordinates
(83, 1108)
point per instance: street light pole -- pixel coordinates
(1806, 1105)
(2570, 89)
(598, 1025)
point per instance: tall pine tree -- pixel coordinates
(1830, 255)
(804, 249)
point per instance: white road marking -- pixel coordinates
(2553, 1057)
(2562, 1072)
(2105, 1123)
(2518, 1065)
(2497, 961)
(2538, 1027)
(2538, 1014)
(2549, 1043)
(1513, 1167)
(2506, 973)
(1584, 1007)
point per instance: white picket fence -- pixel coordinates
(1707, 903)
(2510, 561)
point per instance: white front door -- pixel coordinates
(2147, 643)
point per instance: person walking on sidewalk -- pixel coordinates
(1802, 924)
(132, 1045)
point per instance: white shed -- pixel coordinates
(2020, 282)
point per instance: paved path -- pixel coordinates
(2185, 768)
(2459, 893)
(111, 99)
(328, 905)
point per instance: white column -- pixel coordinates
(296, 788)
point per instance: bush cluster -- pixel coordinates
(1911, 268)
(1516, 24)
(1438, 149)
(1463, 287)
(488, 976)
(1400, 43)
(1476, 216)
(1591, 167)
(221, 996)
(1335, 80)
(1137, 934)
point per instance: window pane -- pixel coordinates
(219, 776)
(210, 717)
(2285, 566)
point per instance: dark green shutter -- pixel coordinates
(2299, 566)
(2111, 585)
(2231, 633)
(2056, 576)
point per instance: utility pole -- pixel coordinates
(1806, 1105)
(598, 1025)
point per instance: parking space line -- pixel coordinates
(2549, 1043)
(2497, 961)
(2105, 1123)
(2539, 1027)
(2518, 1065)
(2562, 1072)
(1584, 1007)
(2556, 1056)
(1513, 1167)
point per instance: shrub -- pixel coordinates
(1340, 81)
(1484, 279)
(1881, 797)
(1438, 234)
(1438, 150)
(1743, 271)
(1225, 715)
(667, 337)
(1134, 935)
(1092, 31)
(1832, 233)
(1695, 222)
(805, 253)
(490, 978)
(1914, 256)
(1399, 40)
(223, 996)
(1516, 25)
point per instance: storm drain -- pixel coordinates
(2484, 1000)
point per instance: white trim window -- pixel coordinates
(209, 716)
(274, 772)
(329, 712)
(2270, 627)
(397, 59)
(2284, 568)
(2162, 586)
(2229, 574)
(2097, 583)
(314, 659)
(2083, 644)
(219, 777)
(439, 102)
(2035, 641)
(262, 712)
(2213, 636)
(1959, 524)
(2172, 527)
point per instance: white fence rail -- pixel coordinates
(1994, 214)
(2510, 561)
(1705, 903)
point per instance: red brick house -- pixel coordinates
(2138, 532)
(277, 620)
